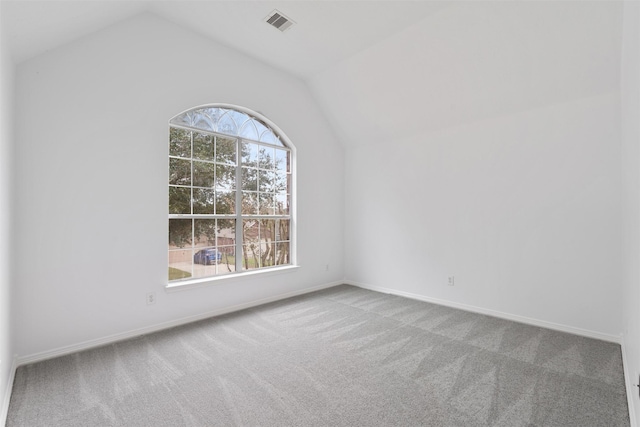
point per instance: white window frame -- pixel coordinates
(239, 273)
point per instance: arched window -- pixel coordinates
(230, 193)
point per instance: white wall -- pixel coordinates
(91, 173)
(524, 211)
(484, 142)
(630, 89)
(6, 144)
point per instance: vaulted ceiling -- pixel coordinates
(325, 31)
(382, 68)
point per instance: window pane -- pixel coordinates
(208, 117)
(260, 127)
(226, 232)
(228, 259)
(282, 160)
(184, 119)
(203, 201)
(205, 261)
(280, 182)
(225, 202)
(203, 146)
(266, 157)
(238, 117)
(282, 231)
(268, 136)
(179, 200)
(282, 253)
(179, 142)
(265, 181)
(251, 248)
(206, 256)
(250, 256)
(249, 179)
(267, 230)
(179, 172)
(180, 264)
(249, 154)
(266, 204)
(225, 177)
(204, 232)
(226, 150)
(179, 233)
(227, 125)
(249, 203)
(248, 130)
(203, 174)
(282, 204)
(268, 254)
(260, 245)
(201, 120)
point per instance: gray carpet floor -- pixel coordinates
(343, 356)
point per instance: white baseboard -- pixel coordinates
(4, 411)
(50, 354)
(508, 316)
(629, 382)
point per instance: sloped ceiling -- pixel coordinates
(471, 62)
(325, 31)
(382, 69)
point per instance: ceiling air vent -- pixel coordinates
(278, 20)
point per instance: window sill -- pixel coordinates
(183, 285)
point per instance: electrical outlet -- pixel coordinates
(451, 281)
(151, 298)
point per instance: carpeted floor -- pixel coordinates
(339, 357)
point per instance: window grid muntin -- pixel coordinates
(238, 216)
(213, 116)
(197, 246)
(275, 243)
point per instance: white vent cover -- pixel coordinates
(278, 20)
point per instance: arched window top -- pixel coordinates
(228, 121)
